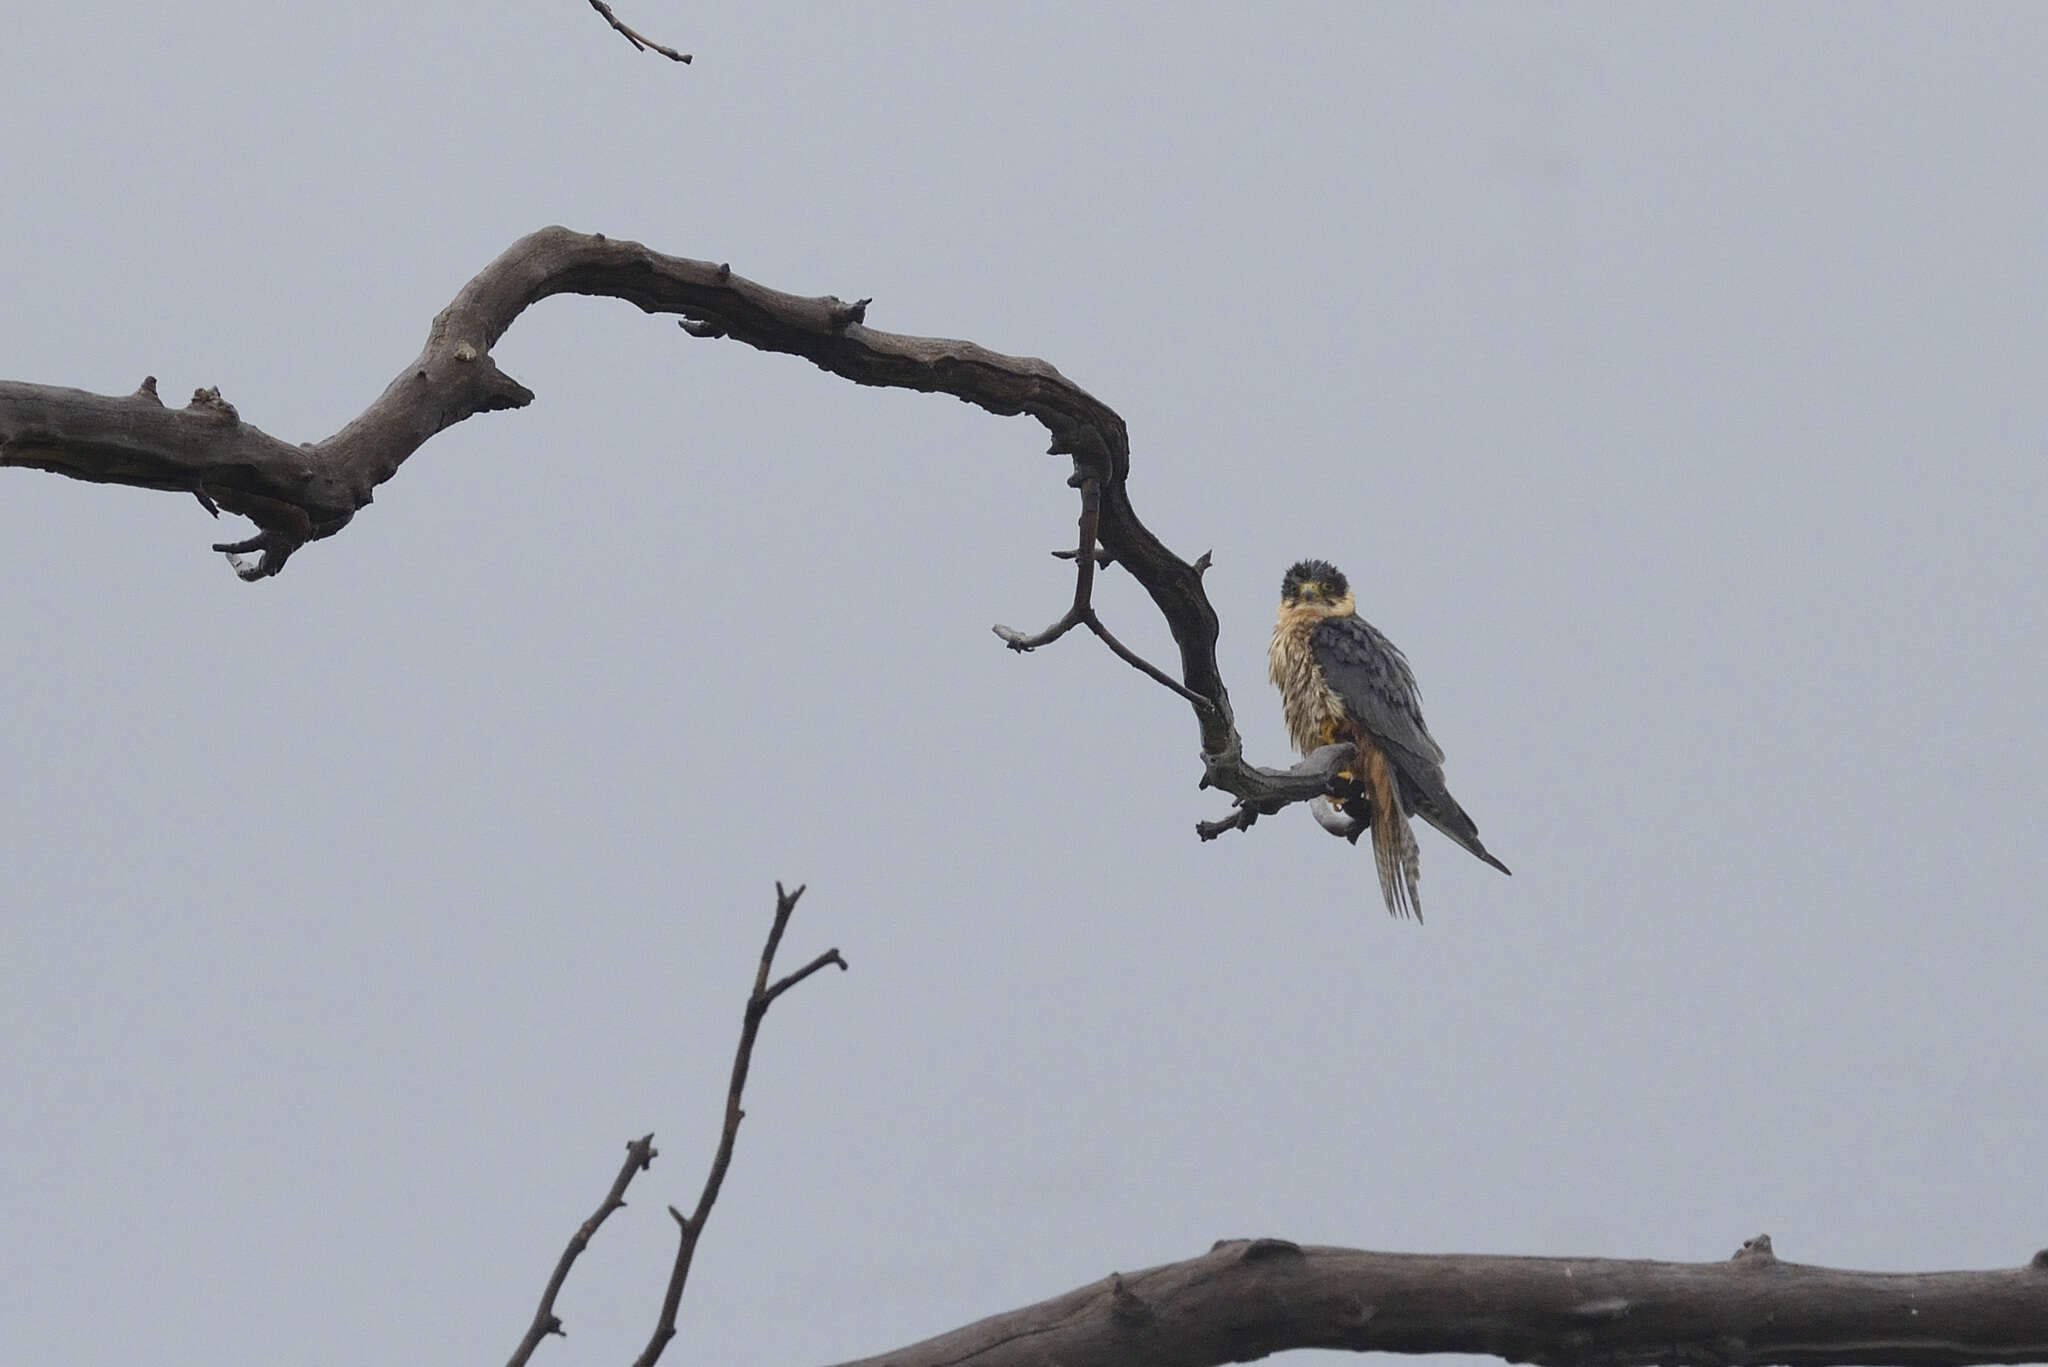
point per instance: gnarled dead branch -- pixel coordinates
(296, 494)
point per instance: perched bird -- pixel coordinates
(1340, 680)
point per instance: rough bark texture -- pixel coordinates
(1246, 1299)
(301, 493)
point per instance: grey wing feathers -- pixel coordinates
(1441, 810)
(1371, 676)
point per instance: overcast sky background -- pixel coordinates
(1667, 380)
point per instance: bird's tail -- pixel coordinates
(1393, 843)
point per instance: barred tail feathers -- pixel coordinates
(1393, 842)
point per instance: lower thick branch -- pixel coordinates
(1249, 1298)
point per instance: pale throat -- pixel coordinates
(1311, 711)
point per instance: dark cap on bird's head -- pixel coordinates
(1313, 580)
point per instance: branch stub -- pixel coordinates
(1755, 1253)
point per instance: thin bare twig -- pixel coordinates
(1146, 667)
(640, 41)
(692, 1225)
(825, 960)
(640, 1155)
(1086, 557)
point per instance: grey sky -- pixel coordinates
(1668, 382)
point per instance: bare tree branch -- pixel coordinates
(640, 1155)
(1203, 707)
(297, 494)
(1086, 557)
(640, 41)
(1248, 1298)
(1315, 776)
(692, 1225)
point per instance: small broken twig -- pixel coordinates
(640, 41)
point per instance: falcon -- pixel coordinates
(1341, 680)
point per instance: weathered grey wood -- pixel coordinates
(301, 493)
(205, 446)
(1248, 1298)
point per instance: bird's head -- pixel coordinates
(1316, 584)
